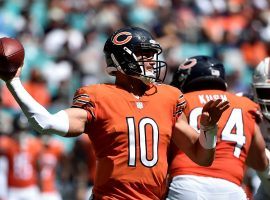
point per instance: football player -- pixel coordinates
(131, 122)
(21, 151)
(239, 140)
(261, 91)
(49, 159)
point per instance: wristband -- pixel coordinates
(208, 136)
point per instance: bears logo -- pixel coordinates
(122, 38)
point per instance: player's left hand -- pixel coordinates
(212, 112)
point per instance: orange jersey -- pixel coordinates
(21, 160)
(130, 137)
(48, 161)
(235, 132)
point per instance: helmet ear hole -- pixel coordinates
(187, 63)
(109, 61)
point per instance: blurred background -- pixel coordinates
(63, 42)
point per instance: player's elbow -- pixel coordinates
(206, 162)
(41, 128)
(262, 166)
(47, 123)
(205, 157)
(260, 163)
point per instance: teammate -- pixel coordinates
(131, 122)
(3, 159)
(49, 159)
(21, 151)
(84, 166)
(239, 139)
(261, 90)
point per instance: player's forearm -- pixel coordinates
(199, 155)
(40, 119)
(205, 146)
(257, 161)
(205, 157)
(266, 172)
(257, 154)
(199, 150)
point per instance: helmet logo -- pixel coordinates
(126, 37)
(188, 64)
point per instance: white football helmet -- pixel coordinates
(261, 86)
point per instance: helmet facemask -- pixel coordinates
(148, 68)
(261, 86)
(262, 97)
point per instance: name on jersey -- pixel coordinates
(204, 98)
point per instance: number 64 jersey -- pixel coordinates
(235, 133)
(130, 137)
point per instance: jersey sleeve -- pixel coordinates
(180, 106)
(82, 99)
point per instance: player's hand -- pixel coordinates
(8, 77)
(257, 115)
(267, 171)
(212, 112)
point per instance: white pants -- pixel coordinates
(3, 177)
(187, 187)
(27, 193)
(51, 196)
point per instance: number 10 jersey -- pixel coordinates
(130, 136)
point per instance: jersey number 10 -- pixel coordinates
(142, 142)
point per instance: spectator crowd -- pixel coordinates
(65, 38)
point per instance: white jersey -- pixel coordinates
(29, 193)
(264, 188)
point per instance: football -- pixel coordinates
(11, 56)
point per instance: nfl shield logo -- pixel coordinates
(139, 105)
